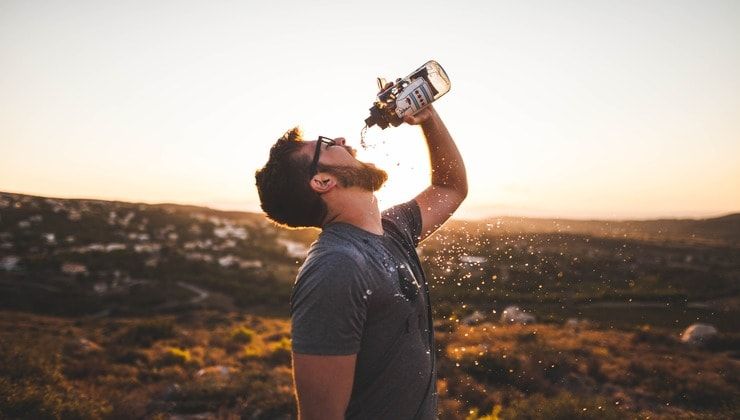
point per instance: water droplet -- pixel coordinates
(362, 137)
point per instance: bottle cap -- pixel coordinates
(376, 117)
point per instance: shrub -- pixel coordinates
(280, 352)
(32, 384)
(243, 335)
(256, 392)
(651, 337)
(724, 342)
(147, 332)
(253, 351)
(495, 413)
(175, 356)
(562, 406)
(127, 356)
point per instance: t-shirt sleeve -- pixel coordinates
(407, 218)
(329, 307)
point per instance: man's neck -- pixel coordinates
(358, 208)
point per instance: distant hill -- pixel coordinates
(90, 256)
(723, 231)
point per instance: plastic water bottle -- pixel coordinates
(408, 96)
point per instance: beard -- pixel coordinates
(367, 176)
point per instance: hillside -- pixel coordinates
(114, 310)
(86, 256)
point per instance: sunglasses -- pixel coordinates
(315, 163)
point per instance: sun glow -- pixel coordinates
(558, 111)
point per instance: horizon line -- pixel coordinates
(454, 218)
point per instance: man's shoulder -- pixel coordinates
(329, 269)
(332, 247)
(332, 253)
(403, 222)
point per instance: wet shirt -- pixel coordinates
(365, 294)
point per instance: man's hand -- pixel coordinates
(420, 117)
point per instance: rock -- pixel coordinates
(214, 373)
(82, 347)
(475, 318)
(577, 324)
(197, 416)
(171, 392)
(514, 315)
(698, 333)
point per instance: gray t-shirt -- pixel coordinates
(362, 293)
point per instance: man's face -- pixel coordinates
(339, 160)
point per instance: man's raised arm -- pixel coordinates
(449, 180)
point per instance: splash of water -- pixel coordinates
(363, 132)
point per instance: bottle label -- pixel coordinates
(414, 97)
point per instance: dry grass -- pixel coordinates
(148, 368)
(491, 365)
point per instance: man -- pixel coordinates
(363, 343)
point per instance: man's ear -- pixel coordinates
(323, 182)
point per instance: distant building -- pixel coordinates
(147, 248)
(6, 240)
(141, 237)
(198, 256)
(229, 243)
(49, 238)
(228, 261)
(113, 246)
(232, 260)
(250, 264)
(294, 249)
(207, 244)
(9, 262)
(74, 215)
(230, 231)
(127, 219)
(74, 269)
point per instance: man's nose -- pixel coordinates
(340, 141)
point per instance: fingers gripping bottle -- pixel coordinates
(408, 95)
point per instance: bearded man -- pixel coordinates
(361, 320)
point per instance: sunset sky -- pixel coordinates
(578, 109)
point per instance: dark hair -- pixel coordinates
(283, 185)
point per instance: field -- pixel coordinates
(122, 310)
